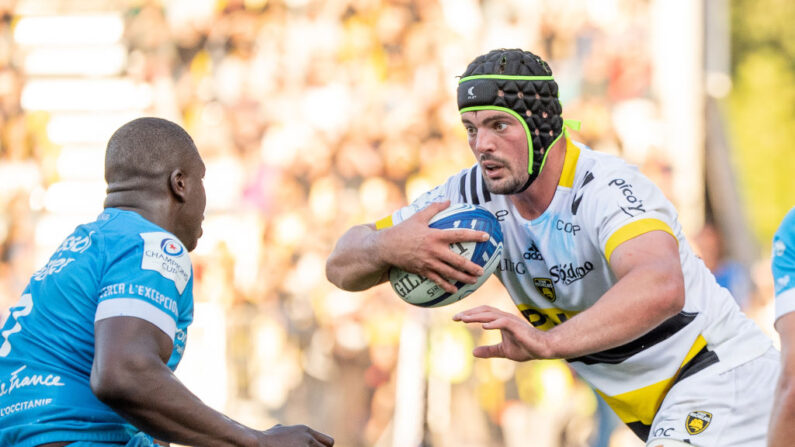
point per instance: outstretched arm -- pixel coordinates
(130, 375)
(650, 289)
(363, 255)
(782, 429)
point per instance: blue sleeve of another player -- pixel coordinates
(784, 265)
(147, 275)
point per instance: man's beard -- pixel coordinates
(512, 185)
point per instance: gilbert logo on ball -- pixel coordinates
(420, 291)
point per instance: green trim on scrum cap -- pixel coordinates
(507, 77)
(567, 124)
(526, 132)
(570, 124)
(531, 156)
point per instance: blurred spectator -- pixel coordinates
(730, 274)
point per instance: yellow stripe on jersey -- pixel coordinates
(634, 229)
(569, 164)
(386, 222)
(545, 319)
(642, 404)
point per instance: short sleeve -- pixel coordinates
(624, 204)
(783, 265)
(147, 275)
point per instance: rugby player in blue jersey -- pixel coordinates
(782, 425)
(87, 354)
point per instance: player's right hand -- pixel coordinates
(294, 436)
(414, 247)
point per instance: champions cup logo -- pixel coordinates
(171, 247)
(162, 253)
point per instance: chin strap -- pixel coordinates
(567, 124)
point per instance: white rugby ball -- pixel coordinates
(421, 291)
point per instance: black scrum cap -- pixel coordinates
(520, 83)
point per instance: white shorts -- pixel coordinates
(727, 409)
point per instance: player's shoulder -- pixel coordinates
(609, 174)
(784, 239)
(592, 165)
(127, 229)
(121, 224)
(787, 226)
(464, 186)
(137, 246)
(587, 172)
(606, 185)
(468, 186)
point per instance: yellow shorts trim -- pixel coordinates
(642, 404)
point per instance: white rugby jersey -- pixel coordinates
(557, 265)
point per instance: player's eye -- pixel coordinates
(500, 125)
(471, 130)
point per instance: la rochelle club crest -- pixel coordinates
(697, 421)
(545, 287)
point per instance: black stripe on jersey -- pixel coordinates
(640, 429)
(704, 358)
(462, 187)
(588, 177)
(473, 185)
(477, 191)
(575, 204)
(620, 353)
(483, 189)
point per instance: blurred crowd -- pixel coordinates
(313, 116)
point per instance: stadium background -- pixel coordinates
(316, 115)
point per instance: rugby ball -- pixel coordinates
(420, 291)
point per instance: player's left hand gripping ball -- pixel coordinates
(420, 291)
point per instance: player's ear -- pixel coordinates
(178, 185)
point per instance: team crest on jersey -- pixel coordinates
(697, 421)
(545, 287)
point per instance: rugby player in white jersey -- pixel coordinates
(594, 260)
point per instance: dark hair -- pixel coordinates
(146, 147)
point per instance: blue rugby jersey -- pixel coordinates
(784, 265)
(119, 265)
